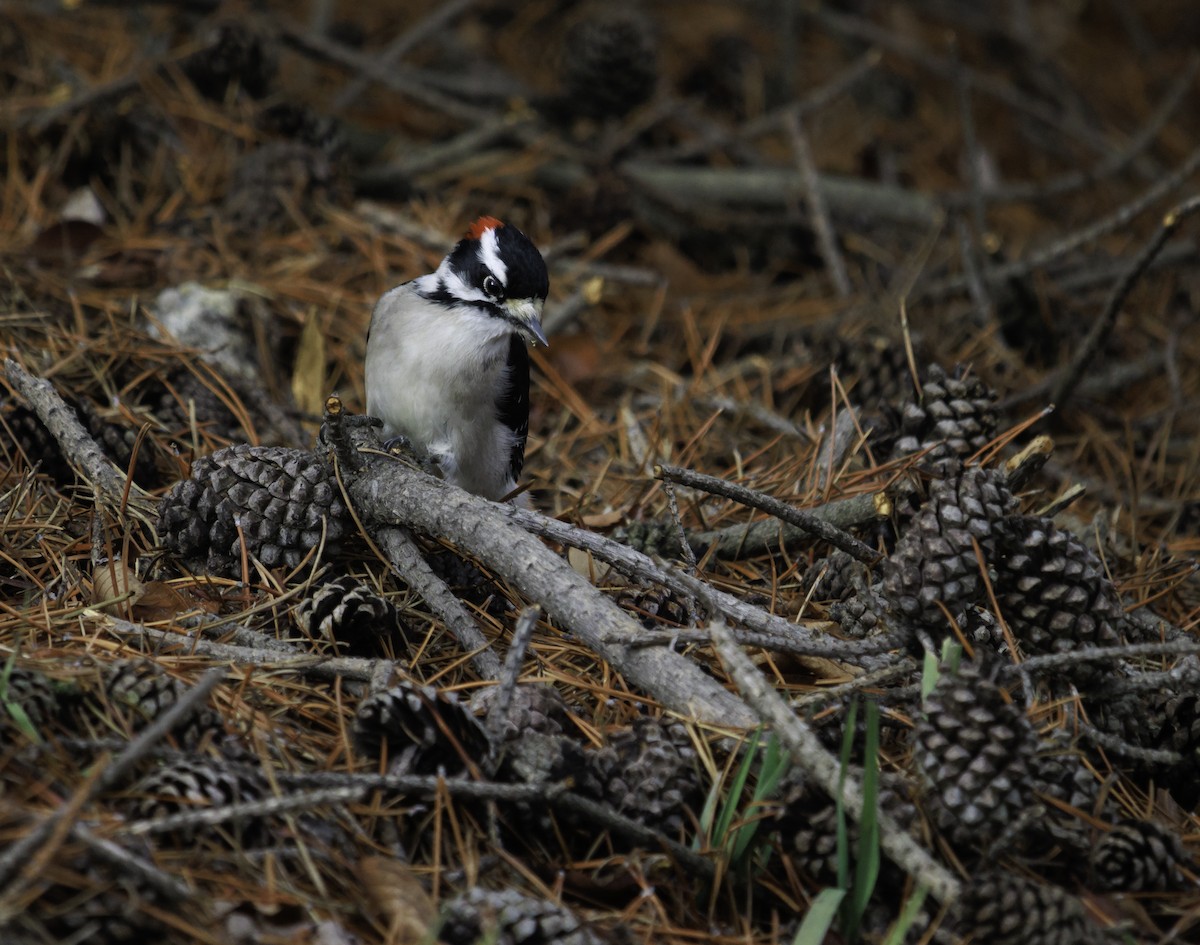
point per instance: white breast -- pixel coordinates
(433, 374)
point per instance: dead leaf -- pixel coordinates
(115, 588)
(308, 376)
(400, 896)
(160, 601)
(584, 564)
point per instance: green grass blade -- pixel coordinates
(721, 839)
(908, 915)
(15, 710)
(866, 864)
(819, 918)
(843, 839)
(774, 766)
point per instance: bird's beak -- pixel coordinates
(528, 315)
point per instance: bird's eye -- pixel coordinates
(491, 285)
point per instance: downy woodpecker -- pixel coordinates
(447, 365)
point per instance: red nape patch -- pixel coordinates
(476, 230)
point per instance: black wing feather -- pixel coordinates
(512, 406)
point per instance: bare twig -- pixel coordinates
(410, 564)
(814, 525)
(1108, 318)
(442, 14)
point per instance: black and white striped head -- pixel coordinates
(496, 269)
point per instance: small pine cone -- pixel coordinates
(91, 901)
(182, 396)
(653, 606)
(609, 64)
(274, 180)
(875, 368)
(508, 917)
(424, 730)
(955, 418)
(346, 612)
(1175, 724)
(935, 562)
(861, 615)
(1005, 909)
(806, 818)
(284, 501)
(975, 752)
(33, 691)
(190, 783)
(1139, 856)
(31, 439)
(234, 54)
(648, 772)
(1060, 772)
(835, 577)
(1053, 591)
(650, 538)
(535, 708)
(141, 691)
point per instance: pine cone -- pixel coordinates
(140, 691)
(1060, 772)
(1052, 590)
(182, 396)
(284, 501)
(935, 561)
(835, 577)
(655, 607)
(861, 615)
(536, 708)
(191, 783)
(349, 614)
(806, 818)
(33, 692)
(648, 772)
(1004, 909)
(424, 730)
(87, 899)
(1139, 856)
(508, 917)
(874, 367)
(955, 418)
(975, 752)
(609, 64)
(235, 54)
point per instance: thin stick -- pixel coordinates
(1104, 325)
(765, 503)
(522, 634)
(818, 211)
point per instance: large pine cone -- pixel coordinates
(1052, 589)
(34, 692)
(975, 751)
(649, 773)
(935, 561)
(424, 730)
(1003, 909)
(286, 502)
(508, 917)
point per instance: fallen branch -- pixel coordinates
(390, 493)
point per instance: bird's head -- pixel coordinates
(497, 268)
